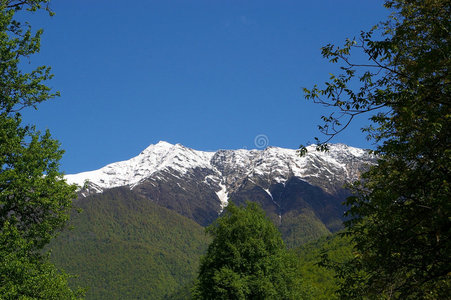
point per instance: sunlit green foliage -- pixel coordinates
(25, 273)
(247, 259)
(34, 198)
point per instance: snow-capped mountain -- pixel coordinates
(198, 184)
(155, 158)
(227, 167)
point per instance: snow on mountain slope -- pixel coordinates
(228, 167)
(153, 159)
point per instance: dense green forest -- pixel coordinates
(321, 281)
(317, 282)
(123, 246)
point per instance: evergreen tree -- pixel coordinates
(247, 259)
(34, 198)
(399, 216)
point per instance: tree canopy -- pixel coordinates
(34, 198)
(399, 216)
(247, 259)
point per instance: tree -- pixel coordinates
(34, 198)
(247, 259)
(400, 212)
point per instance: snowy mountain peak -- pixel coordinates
(161, 146)
(154, 158)
(227, 168)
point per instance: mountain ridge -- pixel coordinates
(282, 163)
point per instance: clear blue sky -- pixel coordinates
(207, 74)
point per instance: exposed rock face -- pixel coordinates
(199, 184)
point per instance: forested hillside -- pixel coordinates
(123, 246)
(126, 247)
